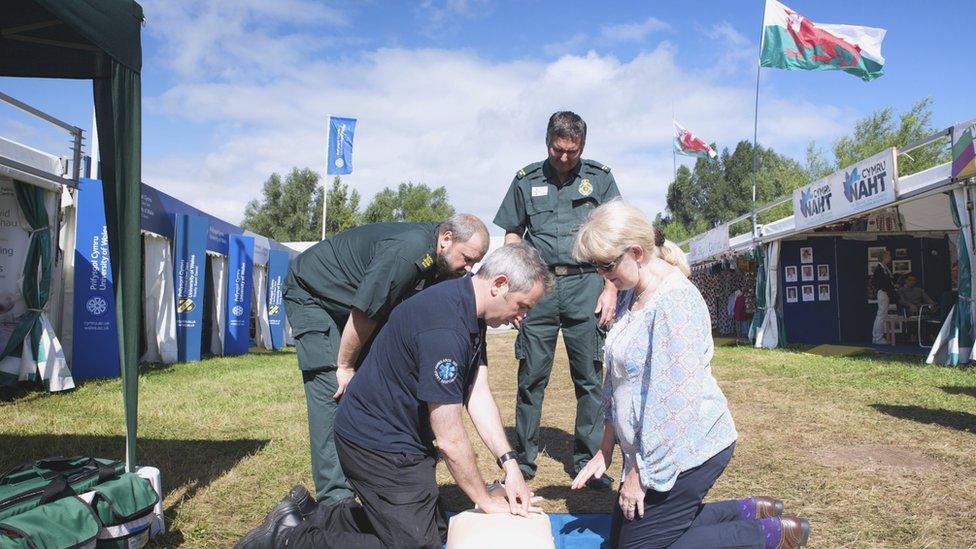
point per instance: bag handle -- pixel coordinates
(56, 489)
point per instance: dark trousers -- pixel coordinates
(399, 504)
(678, 519)
(569, 308)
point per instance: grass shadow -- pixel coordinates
(957, 390)
(960, 421)
(189, 465)
(556, 443)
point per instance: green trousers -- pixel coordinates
(317, 342)
(570, 308)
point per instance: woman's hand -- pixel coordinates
(593, 469)
(632, 496)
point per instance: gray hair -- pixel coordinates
(463, 226)
(522, 265)
(567, 125)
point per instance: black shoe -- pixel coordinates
(304, 501)
(268, 535)
(601, 484)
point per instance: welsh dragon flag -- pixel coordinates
(689, 144)
(793, 42)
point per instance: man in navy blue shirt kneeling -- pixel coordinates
(427, 362)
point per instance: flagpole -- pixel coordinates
(755, 123)
(328, 168)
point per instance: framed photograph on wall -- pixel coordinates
(823, 272)
(791, 294)
(876, 253)
(808, 292)
(806, 255)
(790, 274)
(823, 291)
(901, 266)
(901, 253)
(806, 273)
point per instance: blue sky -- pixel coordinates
(457, 92)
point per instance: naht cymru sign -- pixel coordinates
(867, 185)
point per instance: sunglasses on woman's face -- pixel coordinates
(607, 267)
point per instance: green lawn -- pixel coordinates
(877, 451)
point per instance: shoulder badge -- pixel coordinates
(598, 166)
(528, 169)
(426, 261)
(585, 188)
(446, 370)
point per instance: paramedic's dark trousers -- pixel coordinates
(399, 504)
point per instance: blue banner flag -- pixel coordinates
(240, 265)
(189, 264)
(341, 131)
(277, 270)
(95, 340)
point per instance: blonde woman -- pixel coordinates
(662, 404)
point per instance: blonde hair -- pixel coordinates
(617, 225)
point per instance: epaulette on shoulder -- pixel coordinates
(597, 165)
(531, 168)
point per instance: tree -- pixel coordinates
(343, 208)
(287, 212)
(410, 202)
(878, 131)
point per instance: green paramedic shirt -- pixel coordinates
(550, 214)
(372, 267)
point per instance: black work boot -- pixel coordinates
(268, 535)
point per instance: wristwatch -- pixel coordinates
(511, 454)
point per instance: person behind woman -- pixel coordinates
(662, 404)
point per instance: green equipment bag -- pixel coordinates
(45, 480)
(124, 508)
(75, 502)
(66, 523)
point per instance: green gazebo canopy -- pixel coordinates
(97, 40)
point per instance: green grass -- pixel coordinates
(876, 451)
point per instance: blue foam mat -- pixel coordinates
(580, 531)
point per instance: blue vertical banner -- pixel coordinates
(95, 340)
(189, 264)
(277, 270)
(341, 131)
(240, 266)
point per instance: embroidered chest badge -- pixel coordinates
(585, 187)
(446, 370)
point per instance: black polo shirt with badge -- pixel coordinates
(429, 351)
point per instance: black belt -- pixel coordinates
(563, 270)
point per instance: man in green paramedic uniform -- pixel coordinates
(545, 205)
(340, 290)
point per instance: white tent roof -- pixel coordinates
(32, 158)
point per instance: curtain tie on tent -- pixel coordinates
(41, 311)
(32, 231)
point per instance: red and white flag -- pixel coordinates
(689, 144)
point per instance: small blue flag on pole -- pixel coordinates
(341, 132)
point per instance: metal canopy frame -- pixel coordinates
(77, 138)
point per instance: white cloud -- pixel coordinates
(632, 32)
(456, 119)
